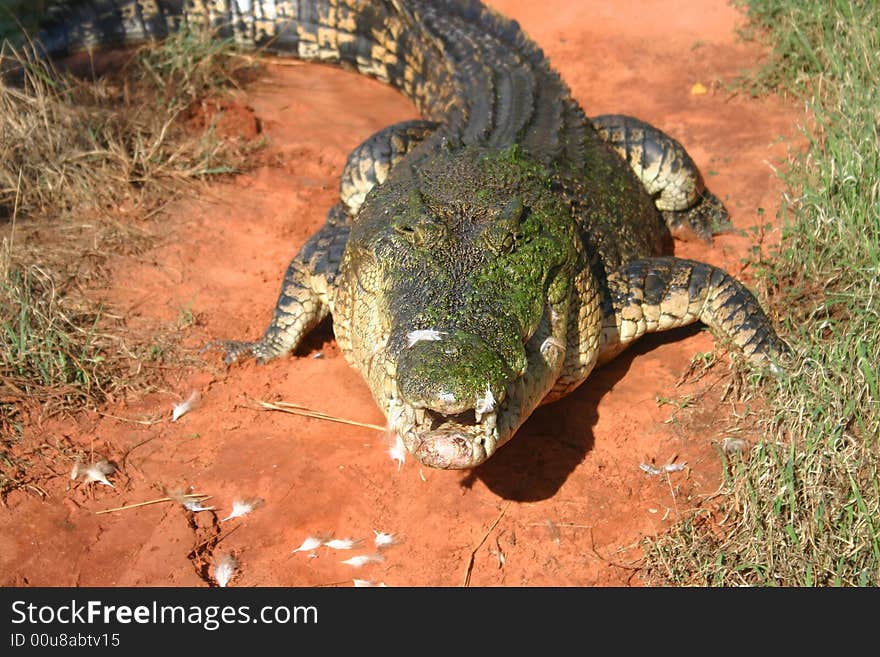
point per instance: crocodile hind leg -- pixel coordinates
(305, 292)
(669, 175)
(370, 163)
(656, 294)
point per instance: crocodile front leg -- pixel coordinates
(306, 292)
(656, 294)
(669, 175)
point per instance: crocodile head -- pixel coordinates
(455, 298)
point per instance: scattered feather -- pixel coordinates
(734, 445)
(186, 406)
(343, 543)
(398, 451)
(429, 335)
(243, 507)
(669, 467)
(363, 559)
(311, 543)
(190, 502)
(553, 530)
(365, 583)
(551, 342)
(318, 354)
(94, 473)
(384, 539)
(195, 506)
(486, 403)
(225, 569)
(500, 553)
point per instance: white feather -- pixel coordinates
(363, 559)
(486, 403)
(383, 539)
(186, 406)
(365, 583)
(669, 467)
(551, 342)
(422, 335)
(243, 507)
(343, 543)
(195, 506)
(97, 472)
(225, 569)
(398, 451)
(311, 543)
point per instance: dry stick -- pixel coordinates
(296, 409)
(219, 538)
(276, 61)
(197, 496)
(147, 423)
(470, 564)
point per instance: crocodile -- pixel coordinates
(483, 260)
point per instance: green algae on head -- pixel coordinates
(471, 261)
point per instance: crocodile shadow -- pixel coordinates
(557, 437)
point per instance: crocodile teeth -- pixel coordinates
(489, 423)
(489, 443)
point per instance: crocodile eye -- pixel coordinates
(512, 212)
(403, 228)
(502, 235)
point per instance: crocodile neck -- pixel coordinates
(504, 90)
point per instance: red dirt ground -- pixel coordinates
(565, 503)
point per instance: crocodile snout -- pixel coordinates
(450, 451)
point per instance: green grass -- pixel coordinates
(803, 507)
(83, 163)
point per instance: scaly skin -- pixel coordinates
(482, 261)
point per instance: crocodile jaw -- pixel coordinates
(446, 443)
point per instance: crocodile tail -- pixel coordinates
(375, 38)
(461, 63)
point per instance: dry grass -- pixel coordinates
(83, 164)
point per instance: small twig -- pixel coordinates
(273, 61)
(329, 584)
(470, 564)
(147, 423)
(611, 562)
(197, 496)
(296, 409)
(218, 538)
